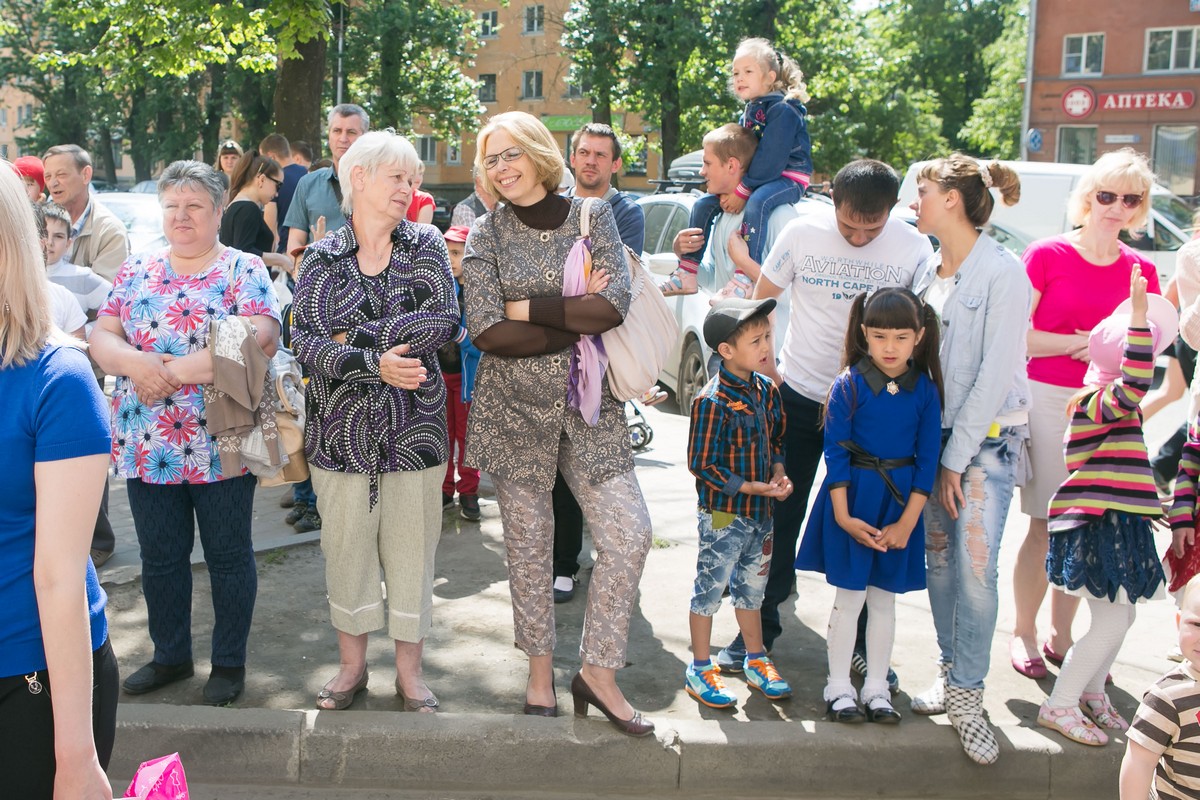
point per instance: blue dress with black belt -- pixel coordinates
(896, 420)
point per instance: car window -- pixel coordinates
(657, 217)
(678, 221)
(1174, 209)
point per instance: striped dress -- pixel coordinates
(1107, 462)
(1101, 543)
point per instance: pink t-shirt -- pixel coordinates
(1076, 295)
(419, 201)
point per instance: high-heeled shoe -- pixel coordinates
(582, 694)
(534, 710)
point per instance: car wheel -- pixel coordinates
(693, 374)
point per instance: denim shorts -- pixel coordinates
(737, 555)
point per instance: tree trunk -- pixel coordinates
(298, 93)
(214, 110)
(602, 107)
(669, 134)
(105, 145)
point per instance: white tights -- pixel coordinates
(1090, 660)
(843, 629)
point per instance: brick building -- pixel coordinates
(522, 67)
(1107, 74)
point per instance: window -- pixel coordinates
(1175, 159)
(1083, 54)
(453, 153)
(489, 24)
(535, 19)
(531, 85)
(1077, 144)
(3, 151)
(1172, 49)
(487, 88)
(3, 117)
(427, 149)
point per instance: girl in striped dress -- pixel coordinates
(1101, 543)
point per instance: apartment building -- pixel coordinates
(1108, 74)
(521, 66)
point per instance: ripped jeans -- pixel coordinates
(961, 557)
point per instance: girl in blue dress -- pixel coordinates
(882, 437)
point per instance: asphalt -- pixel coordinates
(274, 743)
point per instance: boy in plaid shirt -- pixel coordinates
(735, 450)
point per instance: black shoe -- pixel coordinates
(447, 501)
(100, 557)
(565, 595)
(311, 521)
(224, 685)
(469, 507)
(886, 715)
(155, 676)
(851, 714)
(298, 511)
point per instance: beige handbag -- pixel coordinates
(637, 348)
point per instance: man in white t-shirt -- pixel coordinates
(825, 258)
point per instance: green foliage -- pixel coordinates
(407, 58)
(593, 35)
(994, 128)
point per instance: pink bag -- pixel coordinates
(159, 779)
(588, 359)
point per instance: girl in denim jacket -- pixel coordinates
(980, 287)
(772, 87)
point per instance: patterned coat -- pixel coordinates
(520, 412)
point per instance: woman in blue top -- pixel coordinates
(882, 431)
(56, 733)
(980, 287)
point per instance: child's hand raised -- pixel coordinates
(1139, 305)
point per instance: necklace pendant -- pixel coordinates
(544, 236)
(892, 388)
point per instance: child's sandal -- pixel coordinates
(680, 282)
(1101, 711)
(1071, 723)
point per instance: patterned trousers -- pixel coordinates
(620, 524)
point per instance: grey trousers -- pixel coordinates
(620, 525)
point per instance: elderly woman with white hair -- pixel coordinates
(1078, 279)
(153, 334)
(374, 302)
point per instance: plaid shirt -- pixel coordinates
(736, 436)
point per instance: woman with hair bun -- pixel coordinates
(981, 287)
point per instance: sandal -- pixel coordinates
(415, 703)
(739, 286)
(342, 700)
(1100, 711)
(1057, 660)
(653, 396)
(681, 282)
(1071, 723)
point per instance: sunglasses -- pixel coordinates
(1127, 200)
(509, 155)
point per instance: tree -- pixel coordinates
(406, 58)
(593, 35)
(994, 128)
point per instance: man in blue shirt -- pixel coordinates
(318, 193)
(276, 146)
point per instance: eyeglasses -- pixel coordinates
(275, 181)
(1127, 200)
(510, 155)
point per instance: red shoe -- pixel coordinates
(1057, 660)
(1029, 666)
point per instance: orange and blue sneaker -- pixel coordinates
(705, 685)
(762, 675)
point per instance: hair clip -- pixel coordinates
(985, 174)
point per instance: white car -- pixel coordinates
(141, 215)
(686, 371)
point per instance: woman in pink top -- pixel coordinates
(1078, 279)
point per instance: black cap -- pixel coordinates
(725, 317)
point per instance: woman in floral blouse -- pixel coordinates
(374, 302)
(153, 334)
(525, 423)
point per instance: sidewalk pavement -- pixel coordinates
(480, 742)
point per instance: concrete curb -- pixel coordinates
(385, 750)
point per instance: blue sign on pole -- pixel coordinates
(1033, 137)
